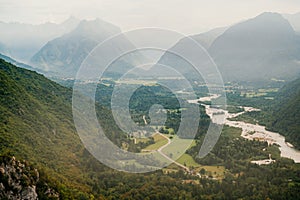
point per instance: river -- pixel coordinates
(250, 131)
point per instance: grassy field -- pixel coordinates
(178, 147)
(216, 172)
(188, 161)
(159, 141)
(176, 150)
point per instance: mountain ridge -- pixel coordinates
(262, 44)
(285, 113)
(24, 46)
(64, 54)
(258, 49)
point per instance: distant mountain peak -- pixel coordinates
(269, 14)
(256, 49)
(95, 27)
(64, 55)
(265, 22)
(266, 43)
(71, 20)
(272, 17)
(294, 20)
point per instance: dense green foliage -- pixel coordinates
(279, 114)
(36, 125)
(145, 97)
(286, 113)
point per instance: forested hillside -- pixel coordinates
(285, 113)
(36, 125)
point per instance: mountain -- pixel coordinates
(4, 49)
(183, 45)
(24, 40)
(285, 113)
(36, 124)
(294, 20)
(207, 38)
(24, 66)
(20, 180)
(257, 49)
(18, 64)
(65, 54)
(261, 48)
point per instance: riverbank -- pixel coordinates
(249, 131)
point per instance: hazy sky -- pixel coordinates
(186, 16)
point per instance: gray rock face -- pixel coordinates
(29, 193)
(17, 180)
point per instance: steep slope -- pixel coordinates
(257, 49)
(65, 54)
(24, 40)
(19, 64)
(20, 180)
(261, 48)
(206, 39)
(36, 124)
(285, 113)
(35, 117)
(294, 20)
(182, 66)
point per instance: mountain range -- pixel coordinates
(36, 124)
(64, 55)
(18, 64)
(262, 48)
(268, 43)
(24, 40)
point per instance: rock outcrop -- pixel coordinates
(18, 180)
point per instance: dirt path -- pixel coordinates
(167, 157)
(164, 146)
(144, 118)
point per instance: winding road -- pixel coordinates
(160, 150)
(167, 157)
